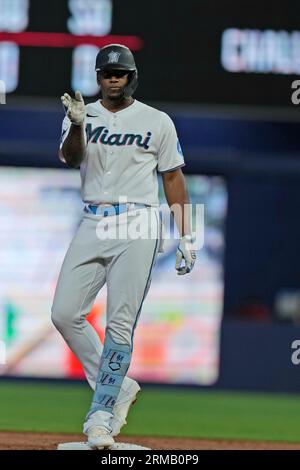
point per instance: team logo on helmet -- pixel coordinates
(113, 57)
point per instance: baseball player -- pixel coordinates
(119, 144)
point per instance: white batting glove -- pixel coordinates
(75, 108)
(185, 252)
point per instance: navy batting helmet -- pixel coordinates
(117, 56)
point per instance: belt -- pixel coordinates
(111, 209)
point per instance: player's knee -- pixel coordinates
(119, 336)
(60, 317)
(56, 319)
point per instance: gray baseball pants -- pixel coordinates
(94, 258)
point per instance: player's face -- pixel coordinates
(112, 83)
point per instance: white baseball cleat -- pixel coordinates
(99, 437)
(98, 430)
(127, 397)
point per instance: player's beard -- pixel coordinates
(118, 96)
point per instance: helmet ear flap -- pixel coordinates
(132, 83)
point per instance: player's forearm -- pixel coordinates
(178, 200)
(73, 148)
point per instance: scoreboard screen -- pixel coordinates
(208, 51)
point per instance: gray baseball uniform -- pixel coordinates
(124, 151)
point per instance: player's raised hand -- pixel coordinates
(75, 108)
(185, 253)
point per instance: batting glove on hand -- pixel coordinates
(75, 108)
(185, 252)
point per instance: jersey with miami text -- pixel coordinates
(124, 152)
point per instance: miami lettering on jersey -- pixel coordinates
(101, 135)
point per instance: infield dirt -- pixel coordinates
(47, 441)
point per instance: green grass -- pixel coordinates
(159, 412)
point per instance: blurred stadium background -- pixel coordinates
(224, 73)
